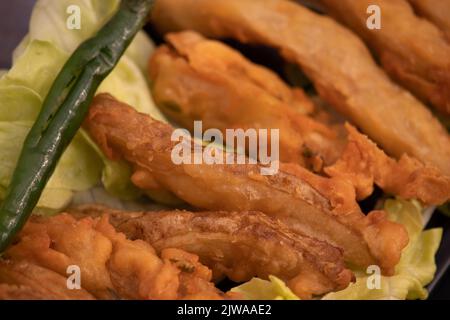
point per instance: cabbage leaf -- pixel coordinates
(414, 271)
(36, 62)
(417, 264)
(259, 289)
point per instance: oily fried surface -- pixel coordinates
(437, 11)
(309, 204)
(364, 164)
(335, 59)
(23, 280)
(112, 267)
(218, 62)
(412, 50)
(239, 245)
(200, 79)
(17, 292)
(60, 242)
(157, 278)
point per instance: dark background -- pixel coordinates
(15, 15)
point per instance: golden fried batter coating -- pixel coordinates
(437, 11)
(309, 204)
(205, 80)
(219, 62)
(201, 79)
(22, 280)
(135, 269)
(239, 245)
(363, 164)
(412, 50)
(112, 267)
(336, 60)
(195, 278)
(61, 242)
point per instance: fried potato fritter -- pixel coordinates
(364, 164)
(238, 245)
(200, 79)
(413, 51)
(334, 58)
(112, 267)
(436, 11)
(61, 242)
(22, 280)
(309, 204)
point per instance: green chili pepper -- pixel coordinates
(63, 112)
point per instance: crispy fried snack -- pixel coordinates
(137, 272)
(363, 164)
(200, 79)
(309, 204)
(437, 11)
(26, 281)
(336, 60)
(239, 245)
(112, 267)
(220, 63)
(59, 243)
(412, 50)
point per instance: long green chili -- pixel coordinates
(63, 112)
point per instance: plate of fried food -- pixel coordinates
(226, 149)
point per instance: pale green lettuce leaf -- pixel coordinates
(11, 135)
(259, 289)
(414, 271)
(116, 179)
(49, 17)
(140, 50)
(417, 264)
(78, 169)
(49, 43)
(52, 200)
(22, 91)
(49, 21)
(36, 68)
(18, 103)
(127, 84)
(20, 49)
(115, 175)
(36, 63)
